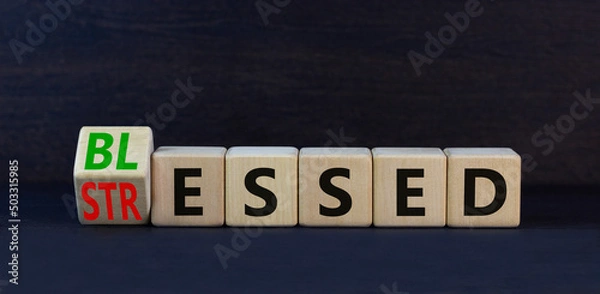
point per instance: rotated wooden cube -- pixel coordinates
(112, 175)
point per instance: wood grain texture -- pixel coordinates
(265, 179)
(206, 166)
(424, 189)
(350, 191)
(503, 161)
(110, 187)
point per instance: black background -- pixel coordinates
(317, 68)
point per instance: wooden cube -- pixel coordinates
(188, 186)
(484, 187)
(335, 187)
(409, 187)
(112, 175)
(261, 186)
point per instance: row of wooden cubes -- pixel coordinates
(284, 186)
